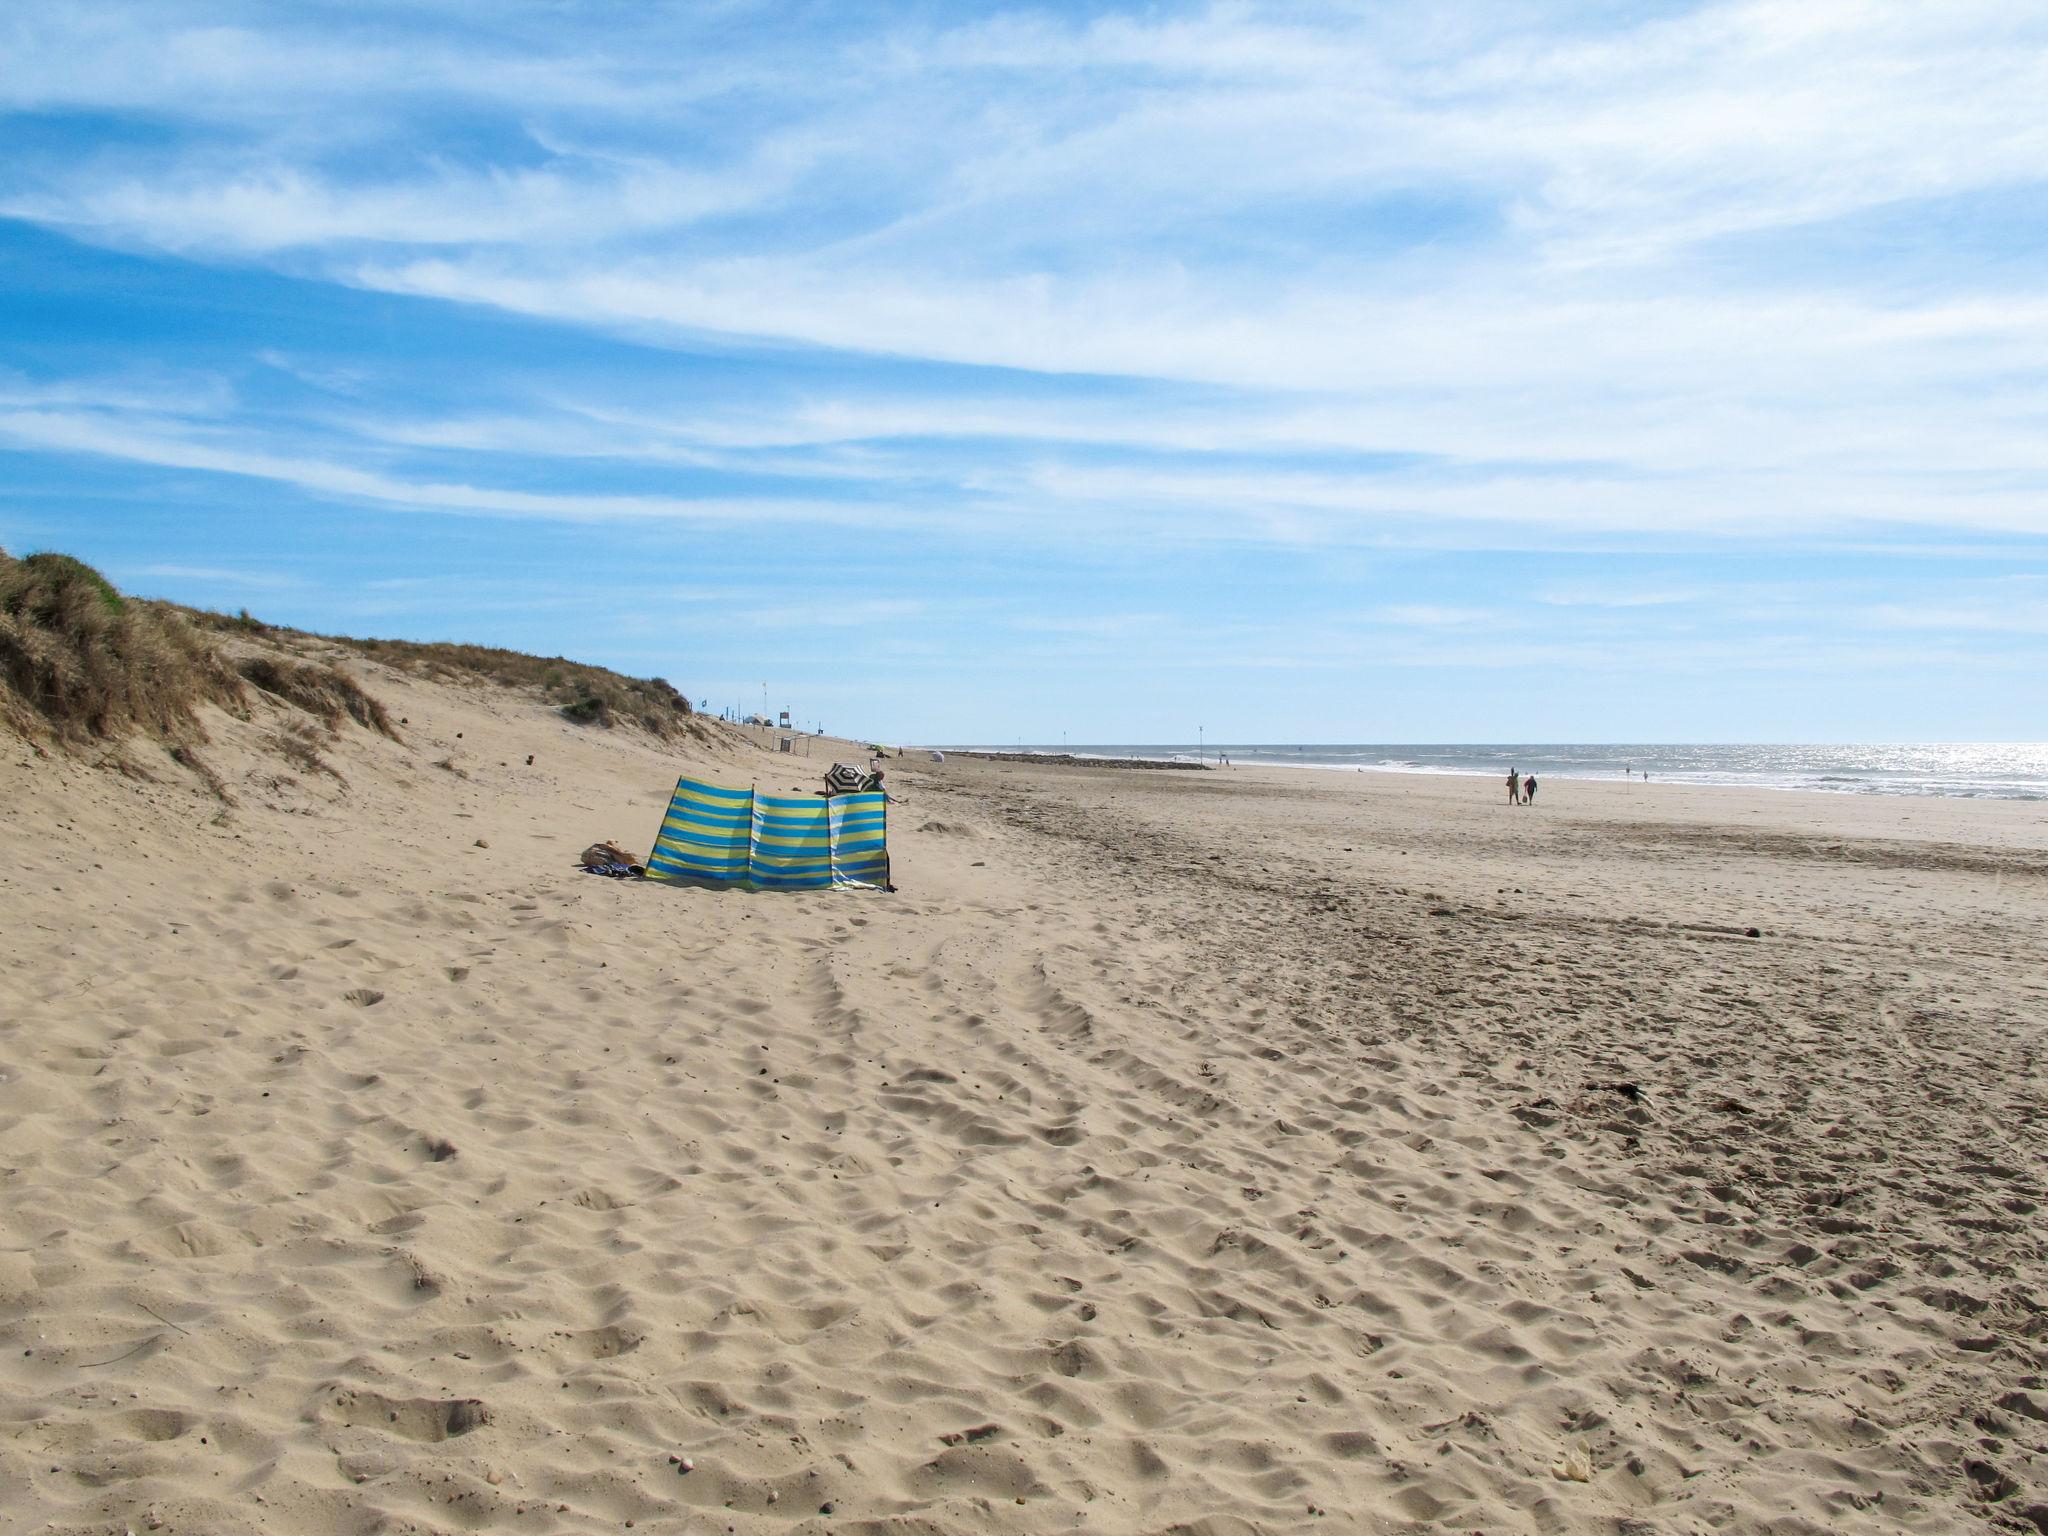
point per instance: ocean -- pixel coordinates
(1976, 770)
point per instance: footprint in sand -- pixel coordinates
(157, 1424)
(417, 1418)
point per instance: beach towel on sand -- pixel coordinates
(772, 842)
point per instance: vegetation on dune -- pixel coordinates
(582, 693)
(83, 664)
(327, 693)
(585, 694)
(242, 623)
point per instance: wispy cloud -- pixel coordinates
(1480, 238)
(140, 390)
(1617, 596)
(82, 434)
(214, 575)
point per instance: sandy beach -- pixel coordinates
(1203, 1152)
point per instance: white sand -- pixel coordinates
(1251, 1150)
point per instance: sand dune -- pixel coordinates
(365, 1168)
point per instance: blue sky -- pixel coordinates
(1377, 372)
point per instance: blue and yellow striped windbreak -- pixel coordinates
(778, 842)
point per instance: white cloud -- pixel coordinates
(182, 394)
(2011, 605)
(1504, 243)
(273, 208)
(67, 433)
(1622, 145)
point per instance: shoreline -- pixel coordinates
(1741, 810)
(1067, 759)
(1866, 789)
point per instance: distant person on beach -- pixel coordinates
(1529, 790)
(1514, 786)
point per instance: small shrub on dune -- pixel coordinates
(241, 623)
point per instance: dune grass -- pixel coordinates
(84, 664)
(585, 694)
(582, 693)
(81, 663)
(325, 692)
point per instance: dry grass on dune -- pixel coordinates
(585, 694)
(325, 692)
(83, 664)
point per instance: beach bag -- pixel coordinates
(611, 859)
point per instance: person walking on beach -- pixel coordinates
(1514, 786)
(1529, 790)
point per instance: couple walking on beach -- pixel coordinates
(1521, 791)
